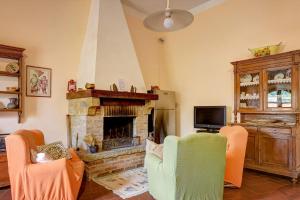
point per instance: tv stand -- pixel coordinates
(208, 130)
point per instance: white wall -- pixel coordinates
(88, 57)
(150, 52)
(108, 54)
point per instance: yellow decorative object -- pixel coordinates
(90, 139)
(90, 86)
(266, 50)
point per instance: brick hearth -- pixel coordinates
(112, 161)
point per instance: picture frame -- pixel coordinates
(38, 81)
(2, 142)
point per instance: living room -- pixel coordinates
(102, 61)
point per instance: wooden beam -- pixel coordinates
(111, 95)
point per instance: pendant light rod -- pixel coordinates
(168, 19)
(168, 5)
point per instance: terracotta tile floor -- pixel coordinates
(255, 186)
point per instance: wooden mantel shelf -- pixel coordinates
(111, 95)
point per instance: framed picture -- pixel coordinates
(38, 81)
(2, 142)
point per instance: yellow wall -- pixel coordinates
(195, 62)
(198, 57)
(149, 50)
(52, 33)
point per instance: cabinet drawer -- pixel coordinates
(285, 131)
(251, 129)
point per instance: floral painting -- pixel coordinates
(38, 81)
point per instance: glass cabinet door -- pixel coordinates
(279, 88)
(249, 91)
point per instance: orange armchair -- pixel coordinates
(237, 137)
(59, 179)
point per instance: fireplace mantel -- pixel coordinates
(111, 95)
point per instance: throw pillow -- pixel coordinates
(39, 157)
(156, 149)
(54, 151)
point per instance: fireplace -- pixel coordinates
(119, 122)
(118, 132)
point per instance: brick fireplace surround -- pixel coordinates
(87, 110)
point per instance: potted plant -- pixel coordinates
(90, 140)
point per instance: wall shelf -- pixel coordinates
(10, 92)
(16, 54)
(10, 110)
(3, 73)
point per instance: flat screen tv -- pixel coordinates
(211, 118)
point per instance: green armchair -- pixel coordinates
(192, 168)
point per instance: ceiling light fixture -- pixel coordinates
(168, 19)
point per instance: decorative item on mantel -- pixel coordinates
(90, 86)
(133, 89)
(90, 140)
(155, 87)
(266, 50)
(72, 86)
(114, 87)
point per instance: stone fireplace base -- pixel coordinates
(105, 162)
(98, 113)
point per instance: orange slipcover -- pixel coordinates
(237, 137)
(55, 180)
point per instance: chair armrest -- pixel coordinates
(47, 169)
(159, 179)
(74, 155)
(153, 161)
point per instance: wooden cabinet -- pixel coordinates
(4, 178)
(251, 156)
(267, 101)
(275, 147)
(10, 54)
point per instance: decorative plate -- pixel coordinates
(266, 50)
(279, 76)
(256, 78)
(288, 73)
(12, 67)
(246, 78)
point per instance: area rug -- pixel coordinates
(125, 184)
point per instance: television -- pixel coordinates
(209, 118)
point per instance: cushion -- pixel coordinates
(39, 157)
(54, 151)
(156, 149)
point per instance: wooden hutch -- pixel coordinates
(267, 104)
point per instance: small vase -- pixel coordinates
(13, 103)
(93, 149)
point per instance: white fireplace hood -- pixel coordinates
(108, 55)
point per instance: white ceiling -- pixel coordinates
(147, 7)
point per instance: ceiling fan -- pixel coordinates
(168, 20)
